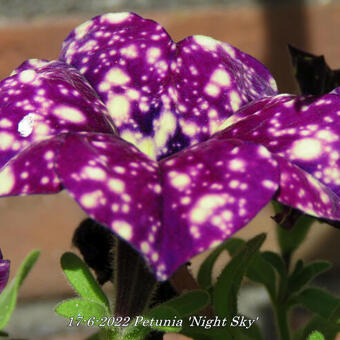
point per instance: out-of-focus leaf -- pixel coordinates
(301, 277)
(228, 283)
(316, 336)
(290, 240)
(317, 323)
(320, 302)
(204, 277)
(8, 296)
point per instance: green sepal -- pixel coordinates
(188, 303)
(8, 296)
(320, 302)
(229, 281)
(316, 336)
(82, 280)
(204, 277)
(81, 308)
(303, 275)
(313, 74)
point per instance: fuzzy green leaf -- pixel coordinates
(82, 310)
(8, 296)
(228, 283)
(82, 280)
(204, 277)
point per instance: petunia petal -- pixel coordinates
(209, 192)
(42, 99)
(161, 95)
(32, 171)
(300, 190)
(303, 129)
(4, 272)
(115, 184)
(336, 91)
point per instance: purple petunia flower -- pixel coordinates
(4, 272)
(127, 122)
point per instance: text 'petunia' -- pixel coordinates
(126, 121)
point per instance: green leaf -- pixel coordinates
(317, 323)
(82, 280)
(316, 336)
(253, 332)
(276, 261)
(3, 334)
(188, 303)
(228, 283)
(82, 310)
(8, 296)
(300, 277)
(320, 302)
(164, 312)
(204, 277)
(261, 271)
(290, 240)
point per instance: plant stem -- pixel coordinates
(281, 314)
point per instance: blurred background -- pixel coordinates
(262, 28)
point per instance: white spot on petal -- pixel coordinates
(307, 149)
(7, 181)
(69, 114)
(123, 228)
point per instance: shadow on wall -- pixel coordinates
(284, 24)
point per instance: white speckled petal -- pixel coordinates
(161, 95)
(42, 99)
(4, 272)
(300, 190)
(209, 192)
(32, 171)
(302, 129)
(115, 184)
